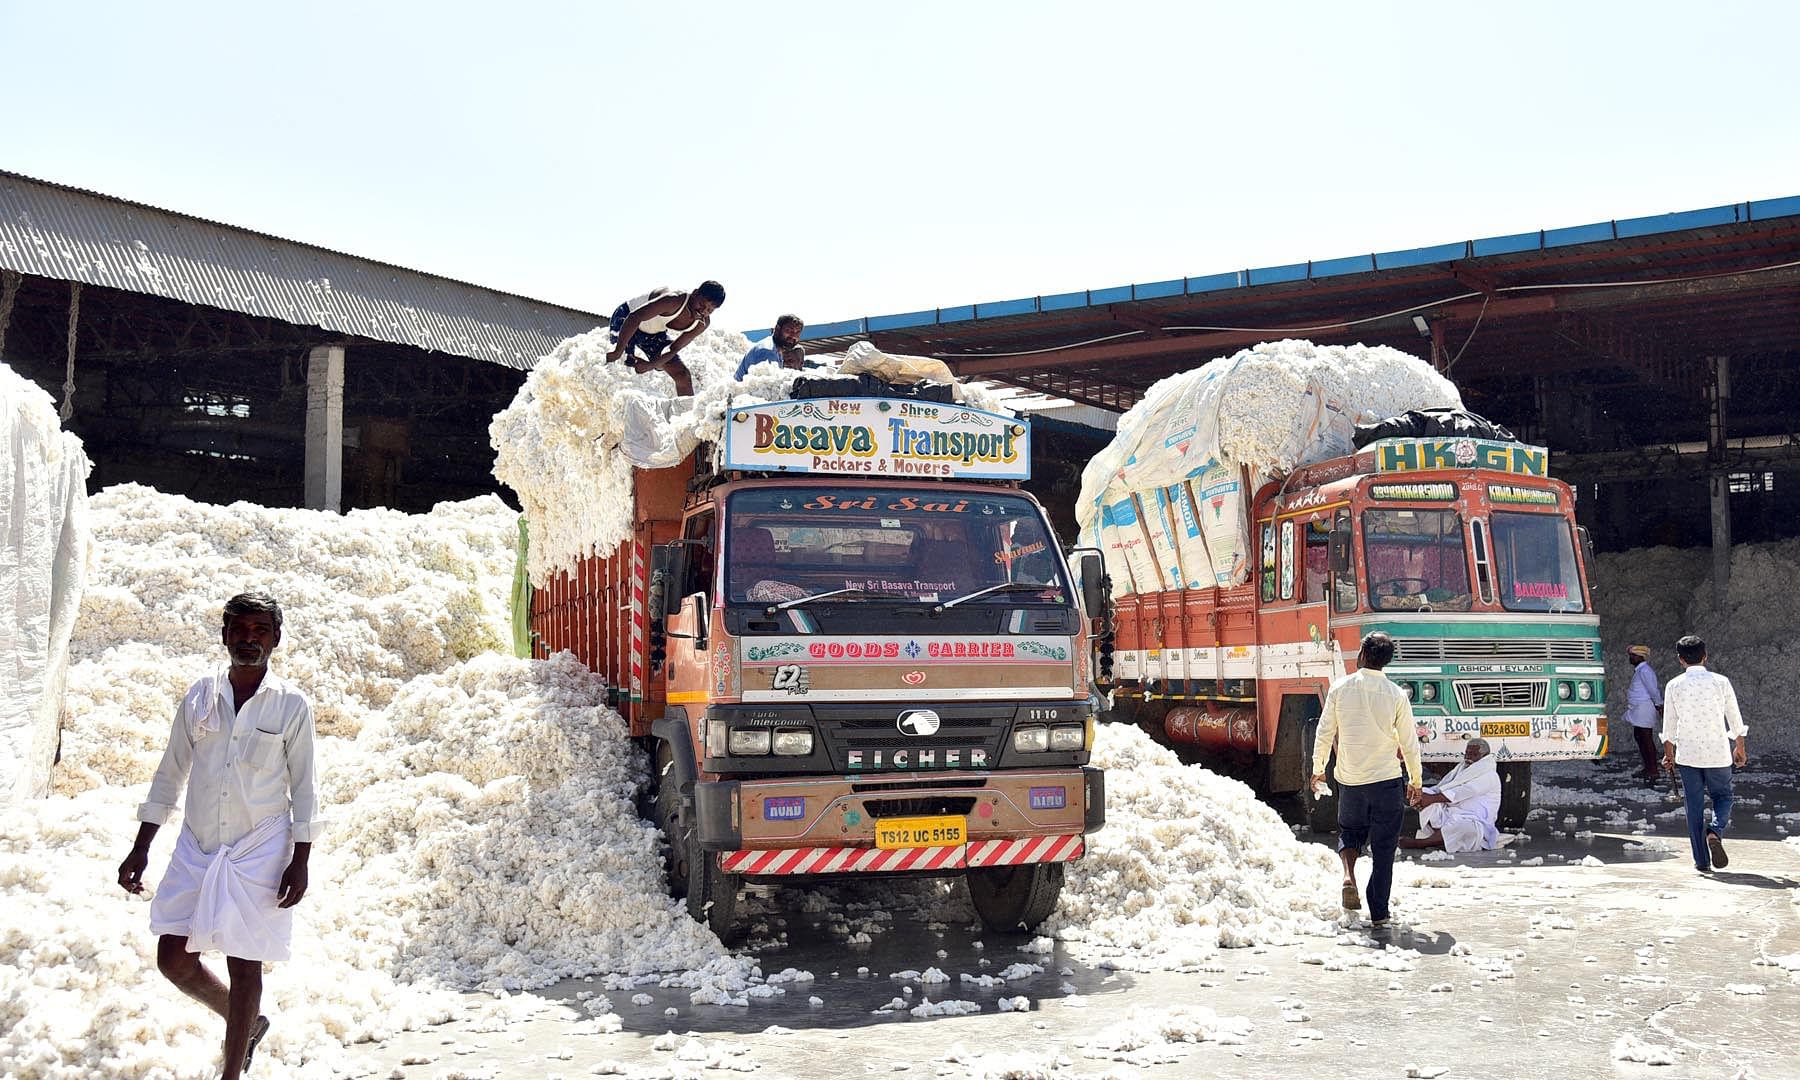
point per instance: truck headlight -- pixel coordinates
(793, 743)
(1411, 690)
(1584, 691)
(749, 742)
(1428, 691)
(717, 731)
(1031, 740)
(1562, 691)
(1068, 737)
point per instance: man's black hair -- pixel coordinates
(1377, 650)
(254, 603)
(1691, 649)
(711, 290)
(789, 320)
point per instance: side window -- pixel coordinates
(1343, 585)
(1287, 559)
(1268, 562)
(1315, 566)
(701, 555)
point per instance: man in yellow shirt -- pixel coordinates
(1369, 721)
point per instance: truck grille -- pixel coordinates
(1478, 650)
(962, 728)
(954, 805)
(1523, 694)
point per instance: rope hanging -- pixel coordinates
(68, 404)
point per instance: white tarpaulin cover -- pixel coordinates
(1166, 499)
(43, 565)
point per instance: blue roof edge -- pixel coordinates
(1543, 239)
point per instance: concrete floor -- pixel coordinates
(1640, 946)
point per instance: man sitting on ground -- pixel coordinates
(1457, 814)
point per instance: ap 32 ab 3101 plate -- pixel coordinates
(893, 834)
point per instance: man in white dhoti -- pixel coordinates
(243, 743)
(1458, 812)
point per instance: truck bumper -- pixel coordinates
(826, 826)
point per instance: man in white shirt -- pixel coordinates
(1458, 812)
(243, 742)
(1370, 723)
(1700, 722)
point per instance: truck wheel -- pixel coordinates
(1515, 794)
(1321, 814)
(668, 808)
(712, 895)
(1015, 897)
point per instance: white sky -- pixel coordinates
(842, 159)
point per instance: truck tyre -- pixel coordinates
(668, 814)
(1321, 814)
(1515, 794)
(692, 874)
(712, 894)
(1015, 897)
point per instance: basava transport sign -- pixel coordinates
(882, 437)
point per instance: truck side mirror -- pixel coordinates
(1587, 554)
(668, 569)
(1090, 572)
(1340, 551)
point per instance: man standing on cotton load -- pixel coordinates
(1700, 722)
(783, 347)
(243, 742)
(1369, 721)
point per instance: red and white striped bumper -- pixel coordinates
(864, 860)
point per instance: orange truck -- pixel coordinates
(1465, 550)
(850, 644)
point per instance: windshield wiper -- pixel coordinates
(1004, 586)
(797, 601)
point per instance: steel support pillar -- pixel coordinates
(1718, 394)
(325, 428)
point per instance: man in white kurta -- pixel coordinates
(242, 741)
(1459, 811)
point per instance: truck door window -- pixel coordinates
(700, 555)
(1416, 560)
(1343, 587)
(1313, 564)
(1268, 562)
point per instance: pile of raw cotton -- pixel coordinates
(481, 827)
(1653, 596)
(372, 598)
(569, 441)
(1189, 862)
(1273, 407)
(1180, 454)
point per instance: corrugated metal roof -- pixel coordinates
(841, 334)
(69, 234)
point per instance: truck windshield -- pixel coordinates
(1416, 560)
(911, 545)
(1534, 557)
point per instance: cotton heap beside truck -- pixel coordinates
(851, 645)
(1253, 533)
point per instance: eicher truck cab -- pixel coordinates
(855, 647)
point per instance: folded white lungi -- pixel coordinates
(226, 900)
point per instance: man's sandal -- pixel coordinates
(257, 1031)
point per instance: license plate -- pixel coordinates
(895, 833)
(1502, 729)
